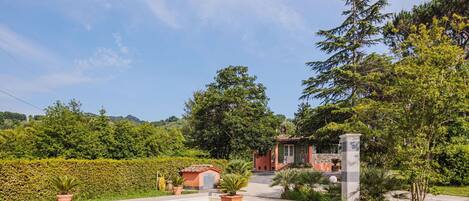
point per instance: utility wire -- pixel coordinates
(20, 99)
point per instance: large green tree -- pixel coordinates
(338, 77)
(398, 28)
(427, 95)
(231, 118)
(346, 76)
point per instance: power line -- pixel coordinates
(20, 99)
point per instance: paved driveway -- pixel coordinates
(257, 190)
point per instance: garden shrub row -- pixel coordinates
(30, 179)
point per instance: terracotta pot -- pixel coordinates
(231, 197)
(67, 197)
(177, 190)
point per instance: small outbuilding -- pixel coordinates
(201, 176)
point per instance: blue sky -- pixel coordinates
(146, 58)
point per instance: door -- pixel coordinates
(288, 153)
(209, 181)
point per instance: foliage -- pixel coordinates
(337, 77)
(428, 92)
(131, 195)
(11, 119)
(301, 184)
(398, 29)
(177, 180)
(64, 184)
(375, 182)
(30, 179)
(239, 167)
(285, 178)
(230, 118)
(65, 131)
(232, 183)
(454, 164)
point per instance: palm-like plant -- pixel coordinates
(232, 183)
(285, 179)
(239, 167)
(310, 177)
(375, 182)
(178, 181)
(64, 184)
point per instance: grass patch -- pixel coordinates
(111, 197)
(453, 190)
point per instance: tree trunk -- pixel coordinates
(419, 189)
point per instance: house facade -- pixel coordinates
(290, 151)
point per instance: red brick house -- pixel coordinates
(296, 150)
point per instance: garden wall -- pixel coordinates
(30, 179)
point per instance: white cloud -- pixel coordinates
(163, 13)
(18, 46)
(275, 12)
(118, 41)
(102, 65)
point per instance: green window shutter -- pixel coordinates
(280, 153)
(298, 147)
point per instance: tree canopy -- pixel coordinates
(67, 132)
(231, 118)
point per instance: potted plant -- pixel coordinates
(64, 186)
(178, 181)
(231, 184)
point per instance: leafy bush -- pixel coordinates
(232, 183)
(454, 164)
(31, 179)
(178, 181)
(285, 179)
(239, 167)
(64, 184)
(375, 182)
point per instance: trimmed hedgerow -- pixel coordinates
(31, 179)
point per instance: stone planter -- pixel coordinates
(67, 197)
(177, 190)
(231, 197)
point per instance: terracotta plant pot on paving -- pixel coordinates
(231, 197)
(177, 190)
(67, 197)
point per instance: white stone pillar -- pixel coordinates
(350, 175)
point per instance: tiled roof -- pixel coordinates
(200, 168)
(288, 138)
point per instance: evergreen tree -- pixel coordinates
(338, 76)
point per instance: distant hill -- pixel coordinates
(128, 117)
(9, 119)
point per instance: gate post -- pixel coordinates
(350, 175)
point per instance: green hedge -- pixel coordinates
(30, 179)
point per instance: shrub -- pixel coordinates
(64, 184)
(375, 182)
(30, 179)
(454, 164)
(178, 181)
(239, 167)
(232, 183)
(285, 179)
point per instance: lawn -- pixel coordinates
(112, 197)
(453, 190)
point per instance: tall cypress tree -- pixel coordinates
(338, 77)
